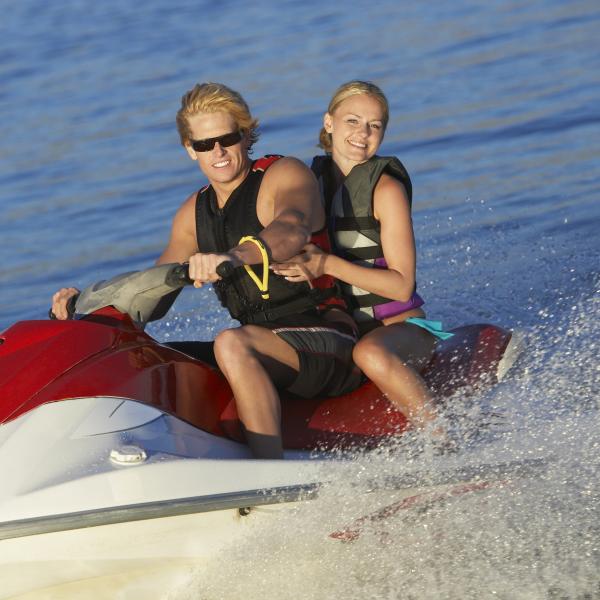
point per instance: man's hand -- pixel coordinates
(59, 302)
(203, 267)
(308, 265)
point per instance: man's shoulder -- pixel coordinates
(285, 166)
(263, 163)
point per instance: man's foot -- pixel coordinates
(263, 445)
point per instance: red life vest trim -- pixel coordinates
(321, 239)
(262, 164)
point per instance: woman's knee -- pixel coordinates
(371, 357)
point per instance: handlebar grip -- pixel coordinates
(71, 302)
(225, 270)
(179, 276)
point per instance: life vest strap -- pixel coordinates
(262, 285)
(293, 307)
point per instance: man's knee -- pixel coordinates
(231, 344)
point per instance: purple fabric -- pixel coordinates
(391, 309)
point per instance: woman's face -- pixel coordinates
(356, 129)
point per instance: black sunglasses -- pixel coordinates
(229, 139)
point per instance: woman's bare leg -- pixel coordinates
(391, 357)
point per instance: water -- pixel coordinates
(496, 114)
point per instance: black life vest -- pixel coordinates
(354, 231)
(220, 229)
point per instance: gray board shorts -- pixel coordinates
(324, 350)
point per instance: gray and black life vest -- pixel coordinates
(354, 231)
(220, 229)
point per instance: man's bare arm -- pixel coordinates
(289, 207)
(182, 243)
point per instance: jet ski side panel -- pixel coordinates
(106, 354)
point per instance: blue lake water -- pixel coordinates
(495, 111)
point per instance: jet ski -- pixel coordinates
(108, 435)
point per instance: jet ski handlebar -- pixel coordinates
(179, 275)
(144, 295)
(226, 270)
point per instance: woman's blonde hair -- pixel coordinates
(353, 88)
(215, 97)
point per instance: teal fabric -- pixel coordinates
(434, 327)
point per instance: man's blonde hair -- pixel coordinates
(353, 88)
(215, 97)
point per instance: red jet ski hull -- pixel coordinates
(105, 354)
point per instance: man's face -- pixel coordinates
(221, 164)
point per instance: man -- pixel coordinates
(254, 213)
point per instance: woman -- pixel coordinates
(368, 202)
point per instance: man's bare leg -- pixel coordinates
(255, 360)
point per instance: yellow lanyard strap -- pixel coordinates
(263, 285)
